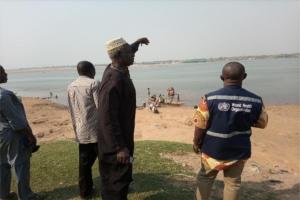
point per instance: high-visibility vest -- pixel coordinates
(232, 110)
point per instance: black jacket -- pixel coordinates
(117, 106)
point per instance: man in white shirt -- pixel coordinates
(83, 99)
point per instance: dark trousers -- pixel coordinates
(115, 178)
(22, 171)
(87, 156)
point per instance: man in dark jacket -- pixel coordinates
(223, 124)
(117, 105)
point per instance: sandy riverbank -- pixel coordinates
(276, 149)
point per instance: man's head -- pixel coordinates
(120, 52)
(233, 73)
(3, 75)
(85, 68)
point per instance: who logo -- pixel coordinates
(224, 106)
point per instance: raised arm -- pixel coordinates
(137, 43)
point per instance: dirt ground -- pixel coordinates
(275, 153)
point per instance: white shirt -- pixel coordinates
(83, 100)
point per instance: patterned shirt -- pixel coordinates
(83, 105)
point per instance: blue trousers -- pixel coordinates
(14, 155)
(22, 172)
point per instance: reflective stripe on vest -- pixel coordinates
(239, 98)
(229, 135)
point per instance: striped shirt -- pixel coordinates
(83, 100)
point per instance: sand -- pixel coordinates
(275, 153)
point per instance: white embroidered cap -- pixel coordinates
(115, 44)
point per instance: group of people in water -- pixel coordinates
(103, 118)
(154, 101)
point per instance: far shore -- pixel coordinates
(168, 62)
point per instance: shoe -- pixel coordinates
(9, 196)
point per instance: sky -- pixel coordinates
(55, 33)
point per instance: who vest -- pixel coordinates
(232, 110)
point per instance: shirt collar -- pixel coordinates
(84, 77)
(123, 70)
(233, 86)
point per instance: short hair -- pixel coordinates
(1, 69)
(234, 70)
(85, 68)
(2, 72)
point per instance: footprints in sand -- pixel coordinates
(47, 128)
(188, 122)
(46, 122)
(40, 134)
(39, 121)
(63, 123)
(278, 176)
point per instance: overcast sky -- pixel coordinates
(51, 33)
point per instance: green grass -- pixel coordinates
(54, 173)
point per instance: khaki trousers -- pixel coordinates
(232, 182)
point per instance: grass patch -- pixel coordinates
(54, 174)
